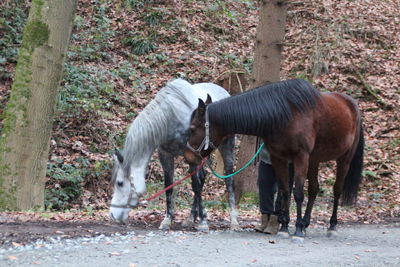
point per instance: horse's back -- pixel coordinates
(215, 91)
(190, 93)
(337, 120)
(339, 109)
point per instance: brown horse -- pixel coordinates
(298, 124)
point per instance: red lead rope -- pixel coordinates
(178, 182)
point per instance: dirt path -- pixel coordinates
(356, 245)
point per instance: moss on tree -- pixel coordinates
(36, 34)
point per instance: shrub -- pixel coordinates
(64, 187)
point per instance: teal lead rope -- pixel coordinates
(240, 170)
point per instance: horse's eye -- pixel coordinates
(120, 184)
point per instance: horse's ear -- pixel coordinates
(208, 100)
(119, 156)
(201, 109)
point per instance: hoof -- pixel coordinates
(298, 240)
(332, 234)
(300, 234)
(202, 227)
(165, 224)
(283, 234)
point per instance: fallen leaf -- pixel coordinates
(254, 260)
(15, 244)
(357, 257)
(12, 258)
(132, 265)
(114, 253)
(108, 242)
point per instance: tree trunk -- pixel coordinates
(266, 68)
(235, 82)
(28, 117)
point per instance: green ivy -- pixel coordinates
(64, 188)
(12, 21)
(85, 90)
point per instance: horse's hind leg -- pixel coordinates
(342, 169)
(226, 149)
(313, 188)
(167, 163)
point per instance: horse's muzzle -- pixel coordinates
(191, 157)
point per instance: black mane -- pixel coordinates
(264, 110)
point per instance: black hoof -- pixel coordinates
(332, 233)
(283, 234)
(299, 234)
(298, 240)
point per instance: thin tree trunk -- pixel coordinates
(266, 68)
(28, 117)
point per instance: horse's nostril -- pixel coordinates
(120, 184)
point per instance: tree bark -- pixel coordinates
(28, 117)
(266, 68)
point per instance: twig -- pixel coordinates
(371, 90)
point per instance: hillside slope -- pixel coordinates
(123, 52)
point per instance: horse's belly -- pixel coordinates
(327, 154)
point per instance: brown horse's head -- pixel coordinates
(203, 137)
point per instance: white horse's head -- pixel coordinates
(129, 186)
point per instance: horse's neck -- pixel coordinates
(139, 158)
(231, 126)
(138, 175)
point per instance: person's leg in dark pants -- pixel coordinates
(267, 187)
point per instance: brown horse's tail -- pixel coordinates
(354, 175)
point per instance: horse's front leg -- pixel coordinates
(281, 172)
(227, 151)
(167, 163)
(198, 180)
(194, 212)
(300, 173)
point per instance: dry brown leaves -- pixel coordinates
(345, 46)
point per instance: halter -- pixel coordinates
(206, 141)
(127, 205)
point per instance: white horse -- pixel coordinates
(164, 124)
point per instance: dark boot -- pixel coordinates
(273, 225)
(264, 223)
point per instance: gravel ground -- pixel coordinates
(356, 245)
